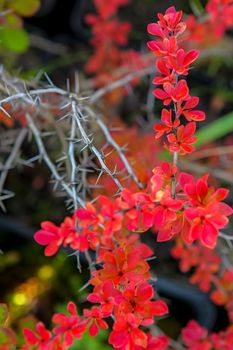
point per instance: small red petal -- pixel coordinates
(93, 330)
(159, 308)
(72, 309)
(44, 237)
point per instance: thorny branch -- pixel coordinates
(12, 157)
(9, 164)
(72, 160)
(89, 143)
(120, 83)
(80, 155)
(112, 142)
(49, 163)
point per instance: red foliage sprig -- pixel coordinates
(173, 64)
(208, 272)
(109, 40)
(196, 337)
(211, 26)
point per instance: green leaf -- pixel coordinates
(13, 39)
(215, 130)
(3, 313)
(25, 7)
(13, 21)
(7, 338)
(197, 7)
(3, 336)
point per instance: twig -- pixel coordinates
(90, 262)
(72, 159)
(119, 83)
(175, 162)
(5, 195)
(16, 147)
(150, 101)
(175, 154)
(47, 45)
(201, 169)
(226, 237)
(88, 143)
(155, 330)
(27, 96)
(214, 151)
(112, 142)
(48, 161)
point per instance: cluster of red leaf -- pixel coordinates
(223, 293)
(67, 329)
(196, 337)
(205, 261)
(109, 37)
(121, 291)
(121, 288)
(208, 272)
(173, 64)
(211, 27)
(196, 213)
